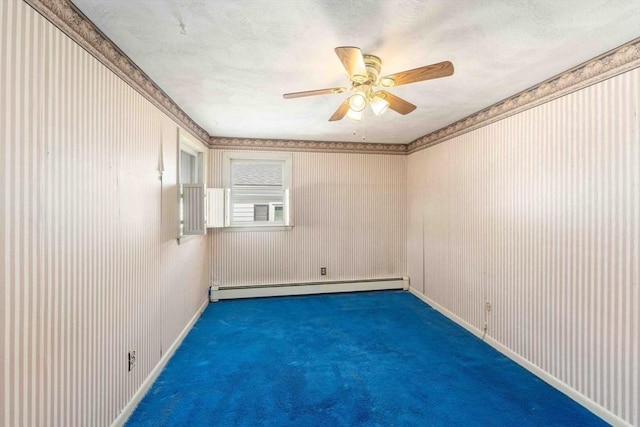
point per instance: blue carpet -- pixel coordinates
(362, 359)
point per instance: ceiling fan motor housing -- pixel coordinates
(373, 65)
(363, 85)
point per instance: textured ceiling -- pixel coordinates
(226, 63)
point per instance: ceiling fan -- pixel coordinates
(368, 89)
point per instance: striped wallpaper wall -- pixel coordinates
(348, 212)
(89, 264)
(539, 214)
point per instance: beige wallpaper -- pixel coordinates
(349, 216)
(89, 264)
(539, 214)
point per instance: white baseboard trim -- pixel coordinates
(146, 385)
(583, 400)
(291, 289)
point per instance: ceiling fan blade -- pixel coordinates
(428, 72)
(395, 103)
(353, 62)
(341, 111)
(314, 92)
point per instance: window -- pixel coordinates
(258, 185)
(190, 165)
(190, 186)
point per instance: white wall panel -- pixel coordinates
(348, 215)
(539, 214)
(89, 253)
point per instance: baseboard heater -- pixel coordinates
(289, 289)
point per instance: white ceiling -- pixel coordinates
(226, 63)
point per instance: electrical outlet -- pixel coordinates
(323, 271)
(487, 306)
(132, 359)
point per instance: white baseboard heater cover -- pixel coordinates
(290, 289)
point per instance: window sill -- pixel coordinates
(235, 228)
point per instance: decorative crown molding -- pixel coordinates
(64, 15)
(610, 64)
(313, 146)
(71, 21)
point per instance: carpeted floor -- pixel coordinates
(362, 359)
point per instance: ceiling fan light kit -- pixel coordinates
(364, 71)
(358, 101)
(355, 115)
(379, 105)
